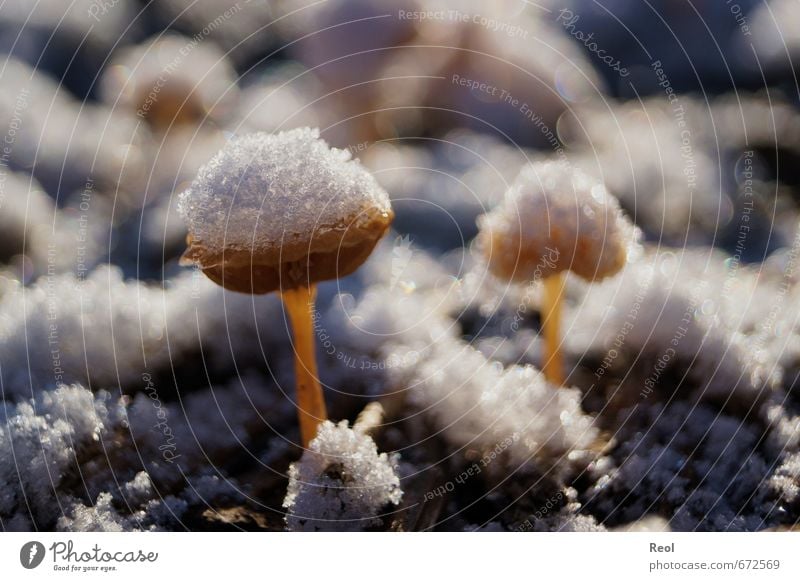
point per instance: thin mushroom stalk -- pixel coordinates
(299, 213)
(299, 304)
(555, 219)
(552, 361)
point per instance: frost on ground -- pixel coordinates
(703, 435)
(341, 482)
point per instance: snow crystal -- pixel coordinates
(39, 443)
(569, 523)
(140, 489)
(690, 464)
(473, 399)
(554, 219)
(784, 488)
(647, 524)
(68, 446)
(133, 405)
(100, 517)
(262, 190)
(341, 483)
(108, 514)
(477, 402)
(674, 310)
(110, 332)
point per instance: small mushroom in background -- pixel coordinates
(553, 219)
(26, 214)
(171, 81)
(404, 67)
(282, 213)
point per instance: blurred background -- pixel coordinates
(443, 101)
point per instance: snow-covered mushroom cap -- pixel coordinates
(282, 211)
(171, 79)
(555, 218)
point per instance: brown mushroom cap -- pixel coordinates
(167, 84)
(274, 212)
(553, 219)
(293, 265)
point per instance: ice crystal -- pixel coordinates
(341, 483)
(262, 190)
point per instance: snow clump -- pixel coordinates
(265, 190)
(341, 483)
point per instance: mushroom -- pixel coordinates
(553, 219)
(281, 213)
(171, 80)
